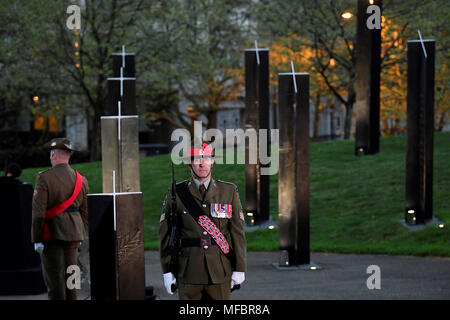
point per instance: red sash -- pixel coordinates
(59, 208)
(215, 233)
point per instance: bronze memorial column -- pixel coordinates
(257, 198)
(367, 82)
(293, 179)
(420, 130)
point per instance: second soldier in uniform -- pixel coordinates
(206, 269)
(59, 218)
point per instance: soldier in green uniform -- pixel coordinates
(204, 271)
(59, 218)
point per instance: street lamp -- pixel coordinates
(346, 15)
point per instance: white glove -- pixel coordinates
(169, 279)
(39, 247)
(237, 278)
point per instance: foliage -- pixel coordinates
(207, 38)
(184, 50)
(190, 53)
(319, 25)
(69, 68)
(299, 51)
(330, 38)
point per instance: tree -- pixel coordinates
(70, 68)
(442, 97)
(18, 85)
(84, 57)
(393, 78)
(399, 25)
(183, 48)
(431, 18)
(296, 49)
(206, 50)
(333, 39)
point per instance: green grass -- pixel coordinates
(356, 203)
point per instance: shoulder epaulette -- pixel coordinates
(44, 171)
(184, 181)
(226, 182)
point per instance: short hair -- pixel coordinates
(62, 153)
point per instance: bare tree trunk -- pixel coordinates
(441, 121)
(316, 117)
(396, 127)
(94, 140)
(386, 126)
(348, 121)
(349, 110)
(212, 119)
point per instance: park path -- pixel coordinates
(341, 276)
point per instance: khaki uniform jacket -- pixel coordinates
(197, 265)
(53, 187)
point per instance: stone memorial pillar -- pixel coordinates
(116, 246)
(367, 83)
(20, 266)
(293, 179)
(420, 130)
(116, 234)
(122, 86)
(257, 197)
(121, 153)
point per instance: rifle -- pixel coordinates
(174, 224)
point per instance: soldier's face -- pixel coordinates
(202, 167)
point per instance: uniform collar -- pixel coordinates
(206, 183)
(196, 193)
(61, 165)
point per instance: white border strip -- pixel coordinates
(259, 49)
(111, 194)
(425, 40)
(117, 117)
(114, 195)
(290, 73)
(121, 79)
